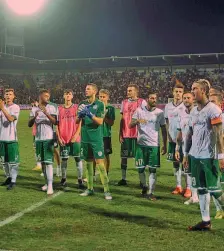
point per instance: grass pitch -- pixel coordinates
(71, 222)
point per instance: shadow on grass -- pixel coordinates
(123, 216)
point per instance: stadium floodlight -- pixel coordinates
(25, 7)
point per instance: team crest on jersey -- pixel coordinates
(95, 107)
(100, 153)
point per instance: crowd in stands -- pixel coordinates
(26, 85)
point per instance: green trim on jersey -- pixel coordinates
(90, 131)
(110, 114)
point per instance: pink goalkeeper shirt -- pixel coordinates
(128, 108)
(67, 123)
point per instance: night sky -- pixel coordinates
(99, 28)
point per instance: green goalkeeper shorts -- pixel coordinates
(205, 174)
(45, 151)
(9, 152)
(147, 156)
(71, 149)
(90, 151)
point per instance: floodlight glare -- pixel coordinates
(25, 7)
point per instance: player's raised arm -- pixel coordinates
(51, 117)
(32, 119)
(9, 94)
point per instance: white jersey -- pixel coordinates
(203, 141)
(171, 113)
(43, 124)
(148, 133)
(8, 130)
(183, 125)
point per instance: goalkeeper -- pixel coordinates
(91, 111)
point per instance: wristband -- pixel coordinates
(221, 156)
(90, 115)
(185, 154)
(177, 148)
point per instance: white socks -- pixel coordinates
(177, 174)
(187, 180)
(204, 201)
(152, 183)
(64, 169)
(79, 166)
(14, 172)
(49, 173)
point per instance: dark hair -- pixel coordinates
(9, 90)
(178, 85)
(188, 92)
(151, 93)
(44, 91)
(68, 91)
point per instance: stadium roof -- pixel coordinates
(13, 61)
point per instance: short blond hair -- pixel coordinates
(105, 91)
(205, 83)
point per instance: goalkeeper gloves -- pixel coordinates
(88, 113)
(83, 111)
(81, 114)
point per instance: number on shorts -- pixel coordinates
(139, 162)
(193, 181)
(170, 155)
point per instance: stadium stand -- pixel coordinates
(160, 80)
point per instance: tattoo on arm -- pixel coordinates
(189, 140)
(218, 134)
(179, 139)
(164, 134)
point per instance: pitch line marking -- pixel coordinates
(28, 210)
